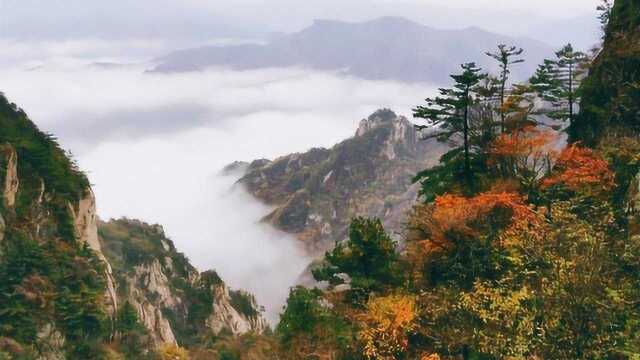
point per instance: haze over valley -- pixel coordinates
(154, 114)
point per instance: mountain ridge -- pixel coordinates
(316, 193)
(388, 48)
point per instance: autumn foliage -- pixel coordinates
(387, 324)
(173, 352)
(457, 213)
(524, 152)
(579, 168)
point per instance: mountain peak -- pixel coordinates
(375, 120)
(385, 21)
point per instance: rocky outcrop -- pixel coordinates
(10, 182)
(232, 317)
(610, 95)
(317, 192)
(63, 273)
(175, 303)
(52, 343)
(149, 293)
(35, 212)
(85, 221)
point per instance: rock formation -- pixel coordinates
(168, 292)
(316, 193)
(65, 276)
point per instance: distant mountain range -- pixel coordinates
(388, 48)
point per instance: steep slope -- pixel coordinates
(57, 293)
(611, 93)
(174, 302)
(60, 296)
(383, 49)
(316, 194)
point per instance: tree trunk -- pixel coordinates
(503, 86)
(467, 163)
(571, 96)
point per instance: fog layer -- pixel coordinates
(154, 145)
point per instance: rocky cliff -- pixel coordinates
(610, 95)
(68, 281)
(174, 302)
(57, 294)
(316, 193)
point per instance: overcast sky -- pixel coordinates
(206, 18)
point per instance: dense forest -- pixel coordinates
(523, 244)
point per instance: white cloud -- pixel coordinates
(164, 169)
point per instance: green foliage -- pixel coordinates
(369, 258)
(625, 16)
(449, 176)
(41, 158)
(303, 312)
(129, 243)
(567, 71)
(47, 279)
(59, 285)
(244, 303)
(132, 338)
(611, 93)
(543, 82)
(605, 8)
(505, 58)
(127, 318)
(226, 354)
(307, 325)
(449, 112)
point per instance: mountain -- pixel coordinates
(611, 93)
(74, 287)
(383, 49)
(317, 193)
(175, 302)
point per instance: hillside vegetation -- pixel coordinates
(73, 287)
(523, 245)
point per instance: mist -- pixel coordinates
(153, 147)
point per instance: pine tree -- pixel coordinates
(127, 319)
(369, 258)
(605, 9)
(567, 72)
(449, 113)
(543, 82)
(506, 57)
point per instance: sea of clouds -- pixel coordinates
(153, 145)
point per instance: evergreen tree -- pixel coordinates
(127, 319)
(506, 57)
(449, 113)
(605, 13)
(543, 82)
(567, 72)
(369, 258)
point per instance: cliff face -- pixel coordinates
(66, 277)
(174, 302)
(611, 93)
(55, 286)
(316, 193)
(85, 223)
